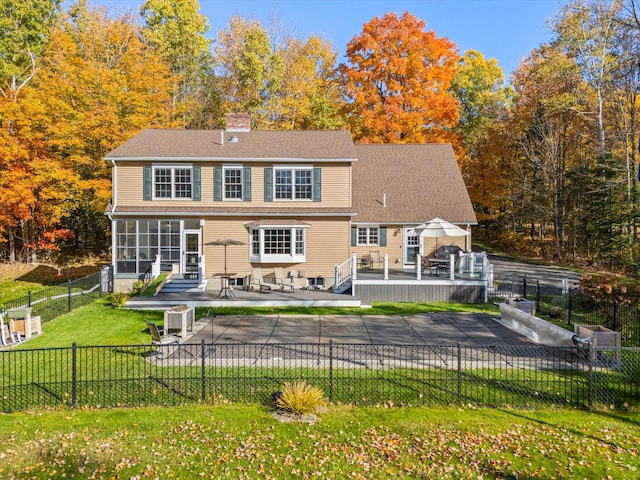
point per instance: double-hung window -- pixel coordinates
(285, 243)
(173, 182)
(368, 236)
(293, 183)
(232, 182)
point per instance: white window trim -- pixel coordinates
(173, 167)
(224, 183)
(293, 169)
(263, 257)
(369, 243)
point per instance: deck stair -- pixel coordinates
(179, 284)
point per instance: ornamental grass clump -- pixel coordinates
(300, 398)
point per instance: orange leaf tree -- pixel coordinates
(397, 82)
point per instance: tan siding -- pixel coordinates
(327, 246)
(336, 187)
(395, 246)
(129, 183)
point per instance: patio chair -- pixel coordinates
(281, 280)
(258, 280)
(158, 336)
(374, 257)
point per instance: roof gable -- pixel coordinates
(400, 183)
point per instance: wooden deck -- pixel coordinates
(403, 286)
(243, 298)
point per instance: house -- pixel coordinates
(301, 200)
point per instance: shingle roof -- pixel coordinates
(255, 144)
(409, 184)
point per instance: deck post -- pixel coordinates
(452, 266)
(354, 266)
(418, 266)
(386, 266)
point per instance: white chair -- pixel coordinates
(258, 280)
(158, 336)
(281, 280)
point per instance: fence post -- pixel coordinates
(459, 373)
(74, 378)
(537, 295)
(330, 370)
(68, 295)
(569, 308)
(202, 375)
(590, 386)
(29, 298)
(615, 317)
(524, 286)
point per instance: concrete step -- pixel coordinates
(184, 286)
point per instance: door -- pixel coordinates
(191, 256)
(411, 247)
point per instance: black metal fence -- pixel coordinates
(55, 301)
(139, 375)
(558, 299)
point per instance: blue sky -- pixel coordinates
(506, 30)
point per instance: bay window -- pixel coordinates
(281, 243)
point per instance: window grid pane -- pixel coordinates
(183, 182)
(368, 235)
(233, 183)
(255, 242)
(277, 242)
(299, 242)
(303, 184)
(163, 182)
(283, 184)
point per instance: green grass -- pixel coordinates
(244, 441)
(98, 323)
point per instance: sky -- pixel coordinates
(506, 30)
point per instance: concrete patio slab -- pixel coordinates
(439, 328)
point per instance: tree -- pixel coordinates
(283, 82)
(308, 97)
(478, 87)
(24, 33)
(249, 70)
(397, 82)
(177, 31)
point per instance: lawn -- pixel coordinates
(227, 440)
(244, 441)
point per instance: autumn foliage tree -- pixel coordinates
(397, 82)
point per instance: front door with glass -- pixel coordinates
(191, 256)
(411, 247)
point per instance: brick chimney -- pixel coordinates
(238, 122)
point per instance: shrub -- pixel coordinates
(137, 287)
(300, 398)
(119, 299)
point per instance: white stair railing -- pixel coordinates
(345, 271)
